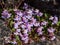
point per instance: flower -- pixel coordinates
(37, 24)
(25, 31)
(51, 30)
(43, 38)
(40, 33)
(25, 6)
(30, 11)
(15, 25)
(26, 24)
(18, 30)
(39, 30)
(40, 14)
(26, 41)
(52, 38)
(20, 35)
(24, 19)
(14, 42)
(6, 14)
(33, 20)
(16, 33)
(28, 16)
(36, 11)
(55, 20)
(29, 27)
(25, 34)
(17, 18)
(19, 22)
(23, 26)
(24, 38)
(44, 23)
(20, 14)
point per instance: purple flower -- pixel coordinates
(16, 10)
(37, 24)
(51, 30)
(40, 33)
(17, 18)
(20, 22)
(20, 35)
(23, 26)
(18, 30)
(6, 14)
(16, 33)
(53, 37)
(24, 38)
(43, 38)
(33, 20)
(25, 20)
(39, 29)
(55, 20)
(14, 42)
(26, 41)
(30, 11)
(28, 16)
(25, 31)
(25, 6)
(29, 27)
(15, 25)
(20, 14)
(26, 34)
(44, 23)
(36, 11)
(40, 14)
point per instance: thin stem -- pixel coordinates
(19, 1)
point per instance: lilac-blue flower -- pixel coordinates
(55, 20)
(25, 6)
(6, 14)
(51, 30)
(44, 23)
(40, 14)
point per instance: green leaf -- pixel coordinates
(46, 15)
(29, 32)
(38, 18)
(13, 29)
(58, 23)
(11, 24)
(18, 40)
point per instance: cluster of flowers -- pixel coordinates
(6, 14)
(27, 20)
